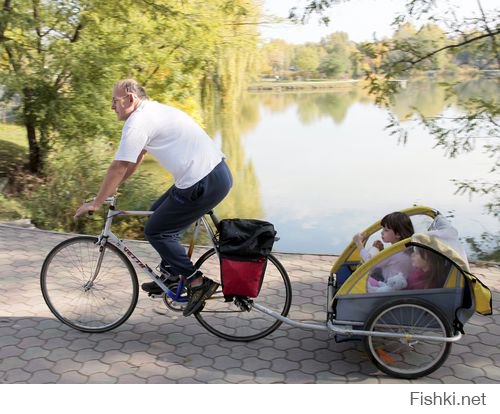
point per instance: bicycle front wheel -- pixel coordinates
(89, 287)
(228, 320)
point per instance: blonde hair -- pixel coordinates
(131, 86)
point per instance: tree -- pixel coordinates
(334, 65)
(432, 37)
(278, 54)
(306, 58)
(340, 53)
(235, 60)
(474, 30)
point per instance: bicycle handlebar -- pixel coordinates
(110, 201)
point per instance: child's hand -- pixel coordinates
(378, 244)
(359, 238)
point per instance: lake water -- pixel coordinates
(322, 166)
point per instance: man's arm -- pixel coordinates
(113, 178)
(132, 167)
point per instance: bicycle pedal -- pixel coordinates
(155, 295)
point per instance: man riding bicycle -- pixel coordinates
(201, 180)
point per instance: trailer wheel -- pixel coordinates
(407, 357)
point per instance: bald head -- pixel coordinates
(127, 97)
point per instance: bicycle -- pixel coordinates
(406, 333)
(90, 284)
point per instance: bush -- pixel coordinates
(12, 156)
(73, 174)
(11, 209)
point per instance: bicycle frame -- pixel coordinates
(107, 236)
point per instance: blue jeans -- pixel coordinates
(177, 209)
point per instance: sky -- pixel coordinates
(361, 19)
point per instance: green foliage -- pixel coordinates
(11, 209)
(340, 52)
(306, 58)
(73, 173)
(408, 52)
(14, 134)
(313, 6)
(432, 37)
(276, 57)
(482, 54)
(334, 65)
(12, 158)
(61, 58)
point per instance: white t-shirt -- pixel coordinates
(173, 138)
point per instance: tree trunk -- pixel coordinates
(35, 156)
(35, 159)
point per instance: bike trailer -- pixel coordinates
(448, 284)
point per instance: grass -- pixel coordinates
(13, 153)
(14, 134)
(13, 148)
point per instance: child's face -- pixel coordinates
(389, 235)
(418, 262)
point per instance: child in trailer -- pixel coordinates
(395, 227)
(391, 273)
(429, 270)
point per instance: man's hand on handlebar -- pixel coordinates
(85, 208)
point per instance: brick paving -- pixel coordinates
(153, 348)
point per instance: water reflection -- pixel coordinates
(312, 106)
(322, 166)
(244, 200)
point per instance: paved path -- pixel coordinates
(151, 348)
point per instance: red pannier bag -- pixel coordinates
(242, 277)
(244, 245)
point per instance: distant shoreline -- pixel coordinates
(321, 84)
(272, 85)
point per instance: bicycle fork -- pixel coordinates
(90, 283)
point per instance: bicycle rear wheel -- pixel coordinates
(227, 320)
(78, 299)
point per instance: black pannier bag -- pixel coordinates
(244, 245)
